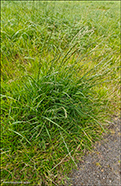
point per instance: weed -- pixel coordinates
(56, 92)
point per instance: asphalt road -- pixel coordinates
(101, 167)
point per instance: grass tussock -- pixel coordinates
(60, 83)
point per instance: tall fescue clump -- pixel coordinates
(57, 112)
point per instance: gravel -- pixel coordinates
(101, 167)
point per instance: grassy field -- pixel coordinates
(59, 85)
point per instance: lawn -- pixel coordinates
(59, 85)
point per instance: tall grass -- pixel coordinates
(40, 30)
(56, 90)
